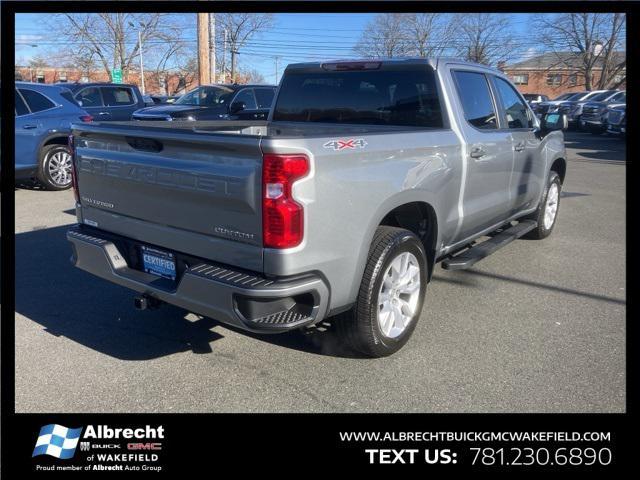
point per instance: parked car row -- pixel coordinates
(45, 112)
(588, 110)
(214, 102)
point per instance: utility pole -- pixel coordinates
(212, 45)
(204, 69)
(277, 58)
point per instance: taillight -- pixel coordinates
(74, 173)
(282, 216)
(86, 118)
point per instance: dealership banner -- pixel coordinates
(168, 445)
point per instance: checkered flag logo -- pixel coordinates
(57, 441)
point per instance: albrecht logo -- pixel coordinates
(57, 441)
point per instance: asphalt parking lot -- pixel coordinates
(537, 327)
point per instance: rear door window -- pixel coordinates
(36, 101)
(90, 97)
(247, 97)
(406, 97)
(264, 97)
(515, 110)
(117, 96)
(477, 104)
(21, 107)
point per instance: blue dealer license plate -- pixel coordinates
(158, 262)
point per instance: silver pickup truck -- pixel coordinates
(365, 175)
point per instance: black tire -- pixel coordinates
(541, 231)
(44, 176)
(359, 327)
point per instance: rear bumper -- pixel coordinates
(239, 298)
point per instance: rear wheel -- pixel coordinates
(547, 212)
(391, 294)
(54, 170)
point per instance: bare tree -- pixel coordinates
(484, 38)
(163, 63)
(384, 36)
(240, 28)
(428, 34)
(251, 76)
(186, 73)
(112, 38)
(38, 62)
(596, 38)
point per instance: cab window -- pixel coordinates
(90, 97)
(246, 96)
(477, 104)
(515, 110)
(264, 97)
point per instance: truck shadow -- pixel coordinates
(596, 149)
(71, 303)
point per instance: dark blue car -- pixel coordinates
(107, 101)
(44, 114)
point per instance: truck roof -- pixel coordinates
(433, 61)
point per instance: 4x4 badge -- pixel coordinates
(345, 144)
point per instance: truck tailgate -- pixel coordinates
(186, 191)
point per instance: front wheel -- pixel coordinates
(547, 212)
(390, 297)
(54, 170)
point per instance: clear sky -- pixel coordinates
(294, 38)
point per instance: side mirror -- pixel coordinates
(79, 102)
(554, 121)
(236, 107)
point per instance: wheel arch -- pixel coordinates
(420, 218)
(54, 139)
(559, 165)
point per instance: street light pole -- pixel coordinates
(142, 25)
(141, 65)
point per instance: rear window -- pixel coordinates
(21, 107)
(36, 101)
(405, 97)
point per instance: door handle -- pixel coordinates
(477, 152)
(103, 113)
(519, 147)
(29, 127)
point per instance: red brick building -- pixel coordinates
(552, 74)
(170, 83)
